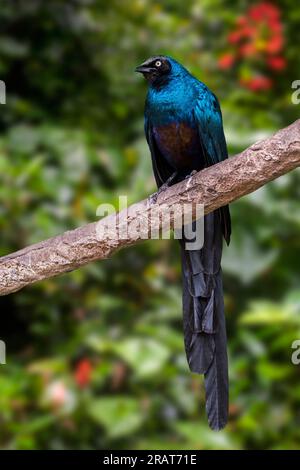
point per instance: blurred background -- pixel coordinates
(95, 358)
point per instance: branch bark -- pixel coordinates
(214, 187)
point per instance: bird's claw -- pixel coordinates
(191, 174)
(152, 199)
(188, 178)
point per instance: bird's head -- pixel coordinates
(159, 69)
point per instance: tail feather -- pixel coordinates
(216, 376)
(204, 319)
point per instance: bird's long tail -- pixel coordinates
(204, 319)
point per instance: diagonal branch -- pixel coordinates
(214, 187)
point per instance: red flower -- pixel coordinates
(259, 83)
(234, 37)
(82, 374)
(258, 38)
(275, 44)
(277, 63)
(262, 24)
(264, 11)
(244, 32)
(247, 50)
(226, 61)
(241, 20)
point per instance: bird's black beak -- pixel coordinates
(143, 68)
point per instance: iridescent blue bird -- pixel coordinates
(184, 130)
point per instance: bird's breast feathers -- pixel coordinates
(178, 142)
(176, 113)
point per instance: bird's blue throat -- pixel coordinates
(171, 102)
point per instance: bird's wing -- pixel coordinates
(208, 118)
(161, 169)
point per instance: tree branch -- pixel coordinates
(214, 187)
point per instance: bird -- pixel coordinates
(184, 131)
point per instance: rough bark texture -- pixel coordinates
(214, 187)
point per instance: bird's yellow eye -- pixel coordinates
(158, 63)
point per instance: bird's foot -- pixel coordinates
(191, 174)
(152, 199)
(188, 178)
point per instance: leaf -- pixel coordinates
(271, 371)
(146, 356)
(49, 365)
(269, 313)
(37, 424)
(245, 260)
(204, 438)
(23, 138)
(120, 416)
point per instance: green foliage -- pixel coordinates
(72, 138)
